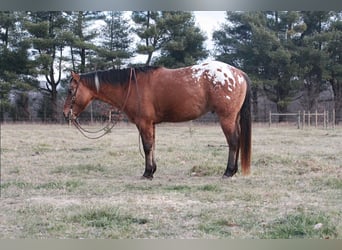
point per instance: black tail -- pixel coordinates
(246, 131)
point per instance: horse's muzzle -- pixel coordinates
(69, 116)
(66, 116)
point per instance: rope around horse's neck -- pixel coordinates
(139, 108)
(107, 128)
(83, 131)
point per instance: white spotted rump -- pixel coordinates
(218, 73)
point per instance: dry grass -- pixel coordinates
(57, 184)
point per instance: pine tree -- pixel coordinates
(255, 42)
(46, 35)
(184, 43)
(149, 31)
(311, 56)
(17, 73)
(173, 33)
(333, 66)
(116, 41)
(81, 39)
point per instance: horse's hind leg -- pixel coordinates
(231, 130)
(147, 133)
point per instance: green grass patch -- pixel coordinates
(187, 188)
(131, 187)
(206, 170)
(178, 188)
(220, 228)
(18, 184)
(273, 159)
(333, 183)
(70, 185)
(41, 148)
(86, 149)
(87, 168)
(79, 169)
(106, 218)
(301, 225)
(209, 188)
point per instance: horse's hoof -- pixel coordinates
(228, 175)
(147, 177)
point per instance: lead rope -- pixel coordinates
(106, 129)
(139, 112)
(82, 130)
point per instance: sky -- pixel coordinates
(209, 20)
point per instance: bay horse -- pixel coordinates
(151, 95)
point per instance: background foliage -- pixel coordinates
(289, 55)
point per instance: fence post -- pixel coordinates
(324, 118)
(333, 119)
(303, 118)
(309, 118)
(316, 119)
(298, 120)
(270, 119)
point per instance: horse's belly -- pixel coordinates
(181, 101)
(183, 112)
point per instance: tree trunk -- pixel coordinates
(337, 89)
(255, 103)
(54, 114)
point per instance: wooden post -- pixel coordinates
(316, 119)
(327, 120)
(110, 116)
(333, 119)
(303, 118)
(324, 119)
(298, 120)
(270, 119)
(91, 114)
(309, 118)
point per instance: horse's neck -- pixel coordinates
(113, 95)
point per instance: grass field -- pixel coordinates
(57, 184)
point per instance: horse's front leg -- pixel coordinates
(147, 133)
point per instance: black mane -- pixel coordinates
(115, 76)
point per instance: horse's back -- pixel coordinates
(187, 93)
(176, 96)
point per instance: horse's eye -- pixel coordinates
(69, 91)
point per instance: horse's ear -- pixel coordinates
(75, 76)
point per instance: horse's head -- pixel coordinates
(79, 96)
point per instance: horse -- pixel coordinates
(151, 95)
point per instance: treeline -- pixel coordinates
(287, 54)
